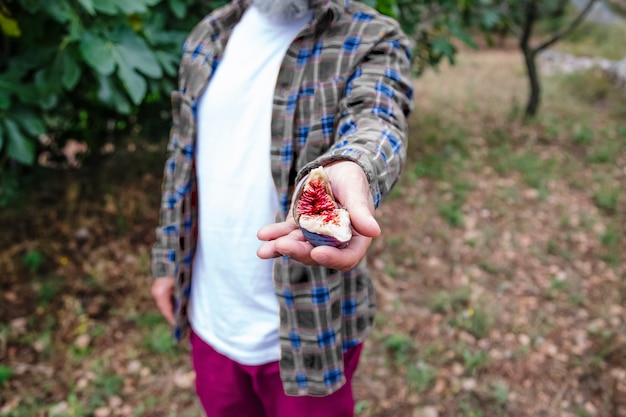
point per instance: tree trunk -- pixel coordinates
(534, 96)
(530, 16)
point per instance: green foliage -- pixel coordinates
(33, 260)
(5, 374)
(72, 68)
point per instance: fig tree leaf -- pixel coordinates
(59, 10)
(134, 83)
(169, 62)
(71, 71)
(88, 6)
(178, 7)
(29, 122)
(105, 90)
(5, 98)
(134, 52)
(98, 53)
(105, 6)
(19, 146)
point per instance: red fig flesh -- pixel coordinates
(321, 219)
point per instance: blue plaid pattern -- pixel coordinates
(326, 339)
(296, 341)
(302, 381)
(320, 295)
(332, 377)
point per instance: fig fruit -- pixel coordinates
(322, 220)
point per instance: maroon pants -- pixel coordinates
(229, 389)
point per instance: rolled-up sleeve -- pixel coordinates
(371, 124)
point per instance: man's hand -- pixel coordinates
(351, 189)
(163, 294)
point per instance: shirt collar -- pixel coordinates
(325, 12)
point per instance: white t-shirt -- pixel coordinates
(233, 306)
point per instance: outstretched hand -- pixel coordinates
(351, 190)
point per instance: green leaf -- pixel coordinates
(47, 89)
(70, 71)
(120, 102)
(105, 90)
(5, 98)
(387, 7)
(32, 124)
(178, 7)
(105, 6)
(169, 62)
(134, 52)
(443, 47)
(19, 147)
(110, 95)
(490, 19)
(465, 37)
(9, 26)
(98, 53)
(1, 136)
(59, 10)
(134, 83)
(88, 6)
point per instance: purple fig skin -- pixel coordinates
(317, 239)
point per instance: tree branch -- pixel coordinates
(559, 35)
(530, 15)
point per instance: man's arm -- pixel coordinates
(165, 249)
(366, 159)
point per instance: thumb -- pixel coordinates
(362, 219)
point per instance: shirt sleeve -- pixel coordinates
(371, 128)
(165, 249)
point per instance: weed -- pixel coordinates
(33, 260)
(5, 374)
(583, 135)
(556, 286)
(399, 345)
(361, 406)
(467, 410)
(452, 214)
(474, 361)
(611, 242)
(476, 322)
(451, 302)
(159, 340)
(534, 170)
(109, 384)
(421, 376)
(604, 154)
(606, 198)
(48, 291)
(499, 392)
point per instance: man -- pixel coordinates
(269, 90)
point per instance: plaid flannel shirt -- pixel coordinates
(342, 93)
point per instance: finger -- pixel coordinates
(276, 230)
(297, 249)
(162, 292)
(363, 221)
(166, 307)
(342, 259)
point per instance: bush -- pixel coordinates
(85, 68)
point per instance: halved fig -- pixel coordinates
(322, 220)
